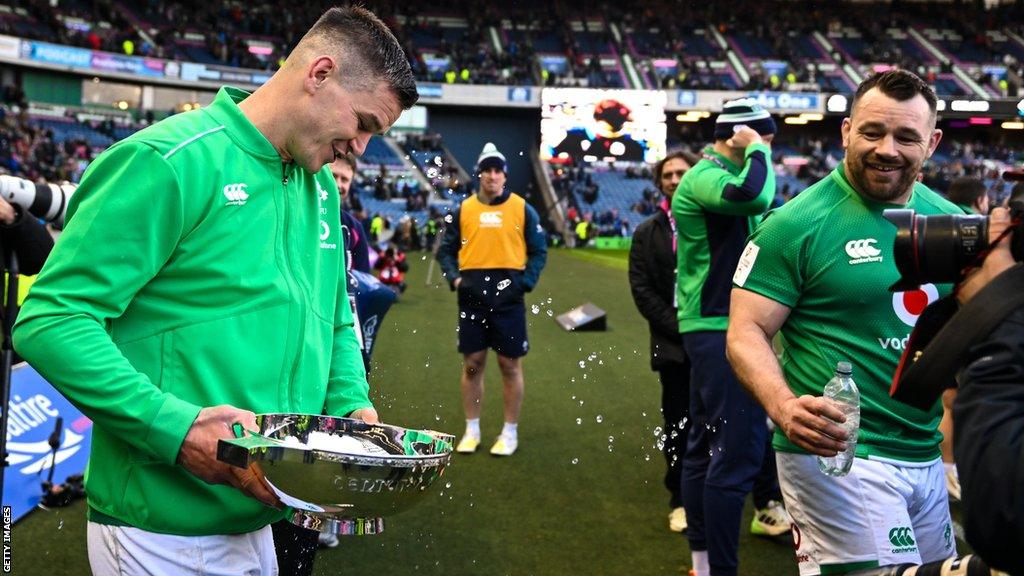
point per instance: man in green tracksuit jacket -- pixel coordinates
(200, 280)
(717, 204)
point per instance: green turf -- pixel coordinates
(582, 496)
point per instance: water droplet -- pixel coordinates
(414, 331)
(535, 309)
(579, 421)
(437, 417)
(657, 430)
(599, 418)
(583, 364)
(446, 485)
(611, 439)
(581, 402)
(487, 278)
(575, 460)
(550, 313)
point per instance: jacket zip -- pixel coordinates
(292, 288)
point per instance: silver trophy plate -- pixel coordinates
(339, 475)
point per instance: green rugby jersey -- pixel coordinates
(716, 206)
(827, 255)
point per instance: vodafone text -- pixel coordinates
(893, 343)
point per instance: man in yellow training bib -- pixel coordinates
(492, 253)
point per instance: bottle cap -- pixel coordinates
(844, 368)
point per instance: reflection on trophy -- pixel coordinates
(339, 475)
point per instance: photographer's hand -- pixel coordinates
(198, 453)
(998, 261)
(7, 213)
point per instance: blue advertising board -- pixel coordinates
(32, 418)
(788, 101)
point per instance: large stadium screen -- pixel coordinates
(589, 125)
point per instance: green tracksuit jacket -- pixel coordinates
(716, 206)
(195, 270)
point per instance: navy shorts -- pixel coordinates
(504, 330)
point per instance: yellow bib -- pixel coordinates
(493, 236)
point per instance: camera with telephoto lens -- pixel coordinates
(939, 248)
(46, 201)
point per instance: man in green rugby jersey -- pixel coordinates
(818, 269)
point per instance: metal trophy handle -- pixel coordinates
(339, 475)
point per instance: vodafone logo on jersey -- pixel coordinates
(909, 305)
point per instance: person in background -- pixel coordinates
(492, 254)
(357, 250)
(970, 194)
(718, 203)
(652, 280)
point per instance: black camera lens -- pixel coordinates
(935, 248)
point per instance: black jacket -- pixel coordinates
(30, 241)
(652, 279)
(989, 445)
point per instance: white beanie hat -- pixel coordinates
(491, 158)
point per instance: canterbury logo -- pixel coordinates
(902, 537)
(861, 251)
(490, 219)
(236, 194)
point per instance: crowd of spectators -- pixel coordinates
(30, 151)
(259, 35)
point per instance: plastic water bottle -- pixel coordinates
(844, 394)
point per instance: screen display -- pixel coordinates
(590, 125)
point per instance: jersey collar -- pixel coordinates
(721, 161)
(226, 111)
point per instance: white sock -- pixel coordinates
(473, 427)
(700, 562)
(511, 430)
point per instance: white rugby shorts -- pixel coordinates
(882, 513)
(127, 551)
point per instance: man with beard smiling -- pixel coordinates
(819, 269)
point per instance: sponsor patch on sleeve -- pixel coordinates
(746, 264)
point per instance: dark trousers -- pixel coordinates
(675, 408)
(724, 453)
(296, 548)
(766, 485)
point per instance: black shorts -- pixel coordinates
(504, 330)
